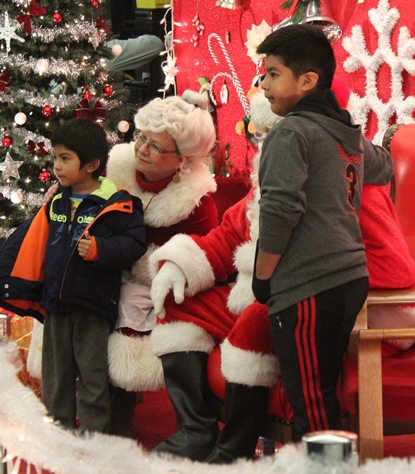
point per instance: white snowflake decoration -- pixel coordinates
(8, 32)
(384, 19)
(170, 70)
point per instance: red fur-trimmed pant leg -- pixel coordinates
(247, 354)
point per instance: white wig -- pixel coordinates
(187, 121)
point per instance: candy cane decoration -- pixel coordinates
(233, 76)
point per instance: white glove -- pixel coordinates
(169, 277)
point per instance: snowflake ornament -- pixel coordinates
(8, 32)
(170, 70)
(384, 20)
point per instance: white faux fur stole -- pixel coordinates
(173, 204)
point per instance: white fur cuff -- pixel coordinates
(180, 337)
(248, 367)
(132, 364)
(186, 254)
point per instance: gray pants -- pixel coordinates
(75, 370)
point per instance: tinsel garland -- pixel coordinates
(60, 101)
(56, 67)
(78, 31)
(26, 433)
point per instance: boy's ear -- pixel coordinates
(92, 166)
(310, 80)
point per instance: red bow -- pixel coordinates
(101, 23)
(31, 145)
(34, 10)
(5, 79)
(95, 113)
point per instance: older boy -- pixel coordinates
(311, 264)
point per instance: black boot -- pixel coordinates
(187, 386)
(245, 414)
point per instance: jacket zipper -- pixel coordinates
(104, 211)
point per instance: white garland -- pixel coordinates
(61, 101)
(78, 31)
(384, 20)
(26, 433)
(56, 67)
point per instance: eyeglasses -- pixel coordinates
(155, 149)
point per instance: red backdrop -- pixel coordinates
(194, 62)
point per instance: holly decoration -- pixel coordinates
(300, 8)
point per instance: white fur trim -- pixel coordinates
(180, 337)
(186, 254)
(34, 354)
(241, 294)
(132, 364)
(171, 205)
(392, 317)
(249, 367)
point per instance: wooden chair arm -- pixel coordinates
(370, 388)
(392, 297)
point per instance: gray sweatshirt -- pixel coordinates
(311, 174)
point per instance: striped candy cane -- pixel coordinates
(233, 76)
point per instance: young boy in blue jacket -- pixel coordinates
(311, 264)
(88, 234)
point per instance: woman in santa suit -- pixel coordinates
(167, 168)
(195, 314)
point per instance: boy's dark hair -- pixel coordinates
(87, 139)
(302, 48)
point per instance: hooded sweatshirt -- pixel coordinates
(313, 166)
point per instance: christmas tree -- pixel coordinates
(53, 66)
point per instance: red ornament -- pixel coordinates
(7, 142)
(47, 111)
(107, 91)
(57, 18)
(5, 80)
(95, 3)
(44, 176)
(87, 93)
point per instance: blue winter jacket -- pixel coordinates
(40, 262)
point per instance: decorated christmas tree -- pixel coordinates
(53, 67)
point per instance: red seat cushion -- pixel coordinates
(398, 382)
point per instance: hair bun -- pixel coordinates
(195, 98)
